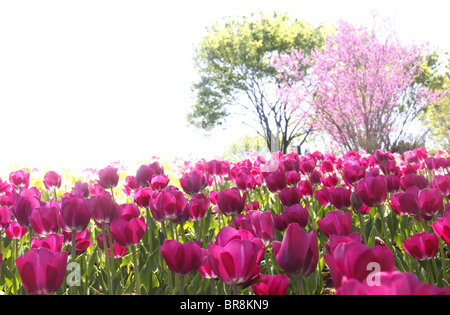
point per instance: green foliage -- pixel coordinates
(233, 60)
(237, 150)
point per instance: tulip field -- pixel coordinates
(310, 224)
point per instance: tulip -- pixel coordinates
(20, 179)
(128, 233)
(75, 214)
(390, 283)
(245, 182)
(237, 262)
(108, 177)
(52, 180)
(354, 260)
(262, 225)
(279, 221)
(44, 220)
(167, 205)
(271, 285)
(53, 242)
(198, 206)
(306, 188)
(5, 217)
(340, 197)
(183, 259)
(23, 208)
(393, 183)
(353, 172)
(82, 240)
(336, 222)
(145, 173)
(104, 210)
(296, 213)
(334, 240)
(142, 197)
(442, 182)
(129, 211)
(422, 246)
(431, 203)
(372, 190)
(323, 196)
(408, 202)
(290, 196)
(275, 181)
(159, 182)
(231, 202)
(298, 253)
(15, 230)
(442, 228)
(193, 182)
(412, 179)
(130, 185)
(42, 271)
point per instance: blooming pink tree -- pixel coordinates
(359, 89)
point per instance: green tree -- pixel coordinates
(237, 150)
(437, 116)
(236, 76)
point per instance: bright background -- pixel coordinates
(84, 83)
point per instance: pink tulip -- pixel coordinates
(23, 208)
(237, 262)
(52, 180)
(271, 285)
(390, 283)
(75, 214)
(306, 188)
(168, 205)
(198, 206)
(431, 203)
(128, 233)
(355, 260)
(19, 179)
(159, 182)
(422, 246)
(129, 211)
(145, 173)
(82, 240)
(290, 196)
(336, 222)
(183, 259)
(104, 210)
(53, 242)
(413, 179)
(42, 271)
(340, 197)
(5, 217)
(108, 177)
(298, 253)
(372, 190)
(275, 181)
(44, 220)
(296, 213)
(323, 196)
(193, 182)
(231, 202)
(262, 225)
(142, 196)
(442, 228)
(15, 230)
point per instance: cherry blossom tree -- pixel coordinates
(360, 89)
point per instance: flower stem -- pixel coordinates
(181, 285)
(73, 256)
(298, 281)
(105, 252)
(136, 270)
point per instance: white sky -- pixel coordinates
(84, 83)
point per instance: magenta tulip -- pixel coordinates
(145, 173)
(198, 206)
(237, 262)
(390, 283)
(23, 208)
(108, 177)
(75, 214)
(422, 246)
(231, 202)
(298, 253)
(104, 209)
(44, 220)
(372, 190)
(42, 271)
(290, 196)
(306, 188)
(53, 242)
(19, 179)
(323, 196)
(168, 205)
(15, 230)
(336, 222)
(271, 285)
(5, 217)
(128, 233)
(296, 213)
(412, 179)
(442, 228)
(52, 180)
(193, 182)
(129, 211)
(142, 196)
(262, 225)
(183, 259)
(275, 181)
(340, 197)
(431, 203)
(82, 240)
(354, 260)
(159, 182)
